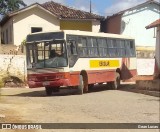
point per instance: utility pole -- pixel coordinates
(90, 6)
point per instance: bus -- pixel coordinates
(78, 59)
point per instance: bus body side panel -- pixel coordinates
(100, 76)
(74, 78)
(98, 70)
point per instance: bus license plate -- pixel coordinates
(46, 83)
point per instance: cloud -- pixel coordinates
(120, 5)
(77, 4)
(85, 6)
(29, 2)
(81, 5)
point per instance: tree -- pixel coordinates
(3, 6)
(7, 6)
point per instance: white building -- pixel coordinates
(46, 17)
(156, 25)
(132, 22)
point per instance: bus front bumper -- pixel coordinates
(55, 83)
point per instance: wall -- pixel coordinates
(82, 25)
(35, 17)
(14, 65)
(134, 23)
(96, 26)
(145, 66)
(112, 24)
(7, 26)
(76, 25)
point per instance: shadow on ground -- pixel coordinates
(134, 89)
(96, 88)
(63, 92)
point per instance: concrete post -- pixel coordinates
(157, 54)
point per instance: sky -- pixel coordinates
(101, 7)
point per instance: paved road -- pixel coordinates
(98, 106)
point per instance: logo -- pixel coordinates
(6, 126)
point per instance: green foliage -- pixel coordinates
(23, 42)
(7, 6)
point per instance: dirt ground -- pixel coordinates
(100, 105)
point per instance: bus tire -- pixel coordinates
(90, 86)
(116, 83)
(48, 91)
(81, 85)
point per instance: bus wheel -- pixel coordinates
(55, 89)
(116, 83)
(48, 91)
(90, 86)
(81, 85)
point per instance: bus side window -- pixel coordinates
(72, 52)
(120, 48)
(102, 43)
(130, 48)
(111, 43)
(92, 47)
(73, 48)
(82, 47)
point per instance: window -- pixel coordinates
(36, 29)
(72, 47)
(42, 55)
(102, 43)
(120, 48)
(82, 46)
(111, 43)
(130, 48)
(92, 47)
(72, 50)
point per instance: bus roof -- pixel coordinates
(40, 36)
(100, 34)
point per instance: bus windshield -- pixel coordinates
(45, 54)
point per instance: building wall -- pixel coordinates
(134, 22)
(7, 32)
(96, 26)
(112, 25)
(76, 25)
(158, 48)
(35, 17)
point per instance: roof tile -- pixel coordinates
(154, 24)
(65, 12)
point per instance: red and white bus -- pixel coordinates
(78, 59)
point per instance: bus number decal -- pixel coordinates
(104, 63)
